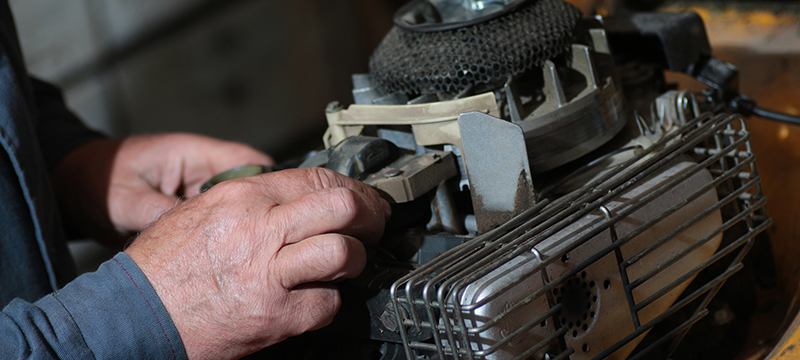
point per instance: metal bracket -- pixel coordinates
(497, 165)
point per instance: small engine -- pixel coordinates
(553, 197)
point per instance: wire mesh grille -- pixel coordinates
(450, 61)
(589, 274)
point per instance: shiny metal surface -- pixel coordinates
(497, 164)
(636, 235)
(561, 130)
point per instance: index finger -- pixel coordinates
(288, 185)
(337, 210)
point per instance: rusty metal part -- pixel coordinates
(500, 179)
(445, 216)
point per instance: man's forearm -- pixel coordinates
(109, 314)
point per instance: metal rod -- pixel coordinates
(622, 272)
(718, 255)
(559, 334)
(683, 327)
(702, 241)
(738, 259)
(677, 306)
(564, 354)
(694, 196)
(521, 331)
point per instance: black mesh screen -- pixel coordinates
(449, 61)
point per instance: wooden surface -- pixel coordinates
(789, 346)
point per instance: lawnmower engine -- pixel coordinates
(552, 196)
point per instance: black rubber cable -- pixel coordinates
(776, 116)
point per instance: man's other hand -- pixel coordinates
(111, 189)
(250, 262)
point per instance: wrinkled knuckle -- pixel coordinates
(345, 204)
(236, 189)
(323, 178)
(337, 251)
(327, 305)
(334, 301)
(318, 311)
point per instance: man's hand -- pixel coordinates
(110, 189)
(249, 263)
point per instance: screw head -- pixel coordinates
(333, 107)
(393, 173)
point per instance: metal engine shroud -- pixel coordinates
(543, 217)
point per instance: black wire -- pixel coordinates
(776, 116)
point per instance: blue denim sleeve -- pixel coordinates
(112, 313)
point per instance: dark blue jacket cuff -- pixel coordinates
(113, 313)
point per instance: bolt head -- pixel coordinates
(333, 107)
(393, 173)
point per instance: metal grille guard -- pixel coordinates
(430, 299)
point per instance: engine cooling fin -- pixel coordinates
(450, 61)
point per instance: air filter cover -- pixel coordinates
(413, 62)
